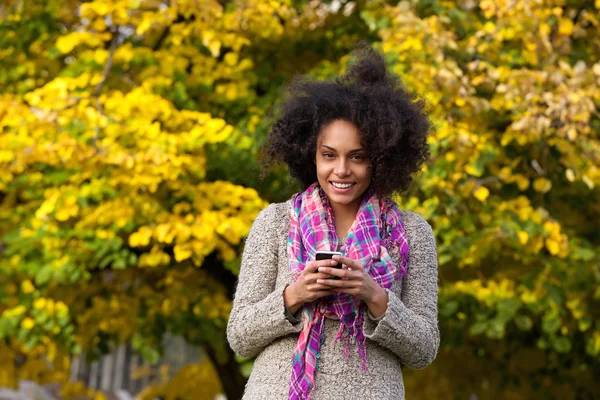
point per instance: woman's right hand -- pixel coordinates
(306, 289)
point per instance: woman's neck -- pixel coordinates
(344, 216)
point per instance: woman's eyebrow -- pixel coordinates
(351, 151)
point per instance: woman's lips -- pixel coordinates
(342, 190)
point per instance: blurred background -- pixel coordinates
(129, 178)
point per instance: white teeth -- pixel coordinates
(342, 185)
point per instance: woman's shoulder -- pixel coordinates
(417, 228)
(411, 218)
(275, 211)
(274, 216)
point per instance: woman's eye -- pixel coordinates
(328, 155)
(358, 157)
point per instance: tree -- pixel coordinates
(512, 189)
(128, 174)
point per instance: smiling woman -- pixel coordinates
(351, 143)
(343, 171)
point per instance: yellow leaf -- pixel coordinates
(542, 185)
(552, 246)
(565, 26)
(61, 309)
(523, 237)
(6, 156)
(163, 233)
(522, 182)
(231, 58)
(27, 287)
(66, 44)
(99, 8)
(166, 306)
(40, 303)
(553, 228)
(489, 27)
(215, 124)
(27, 323)
(124, 53)
(214, 46)
(153, 259)
(67, 212)
(144, 26)
(482, 193)
(471, 170)
(528, 297)
(182, 252)
(450, 156)
(570, 175)
(220, 136)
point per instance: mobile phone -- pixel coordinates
(328, 255)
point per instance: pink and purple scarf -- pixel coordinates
(377, 232)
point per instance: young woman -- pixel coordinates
(323, 332)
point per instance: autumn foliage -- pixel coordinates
(129, 176)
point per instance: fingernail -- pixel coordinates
(321, 269)
(319, 280)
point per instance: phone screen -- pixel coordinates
(328, 255)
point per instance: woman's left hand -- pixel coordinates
(357, 282)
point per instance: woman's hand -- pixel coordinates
(306, 289)
(357, 282)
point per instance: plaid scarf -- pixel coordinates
(377, 232)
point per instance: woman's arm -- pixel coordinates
(409, 327)
(258, 314)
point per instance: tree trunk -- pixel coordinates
(232, 380)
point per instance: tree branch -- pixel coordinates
(109, 62)
(98, 88)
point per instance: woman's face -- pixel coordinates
(343, 166)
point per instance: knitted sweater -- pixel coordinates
(406, 335)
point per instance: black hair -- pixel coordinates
(392, 122)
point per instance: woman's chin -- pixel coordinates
(345, 199)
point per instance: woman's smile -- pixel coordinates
(343, 166)
(342, 186)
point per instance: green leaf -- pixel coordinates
(523, 322)
(507, 308)
(562, 344)
(449, 308)
(478, 328)
(495, 329)
(551, 325)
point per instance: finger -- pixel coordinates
(334, 283)
(318, 287)
(339, 272)
(312, 278)
(347, 290)
(324, 293)
(325, 263)
(312, 266)
(354, 264)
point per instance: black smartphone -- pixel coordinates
(328, 255)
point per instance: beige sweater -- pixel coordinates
(406, 335)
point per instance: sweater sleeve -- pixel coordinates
(409, 327)
(258, 313)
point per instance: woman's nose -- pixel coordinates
(341, 168)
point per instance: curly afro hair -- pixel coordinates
(392, 123)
